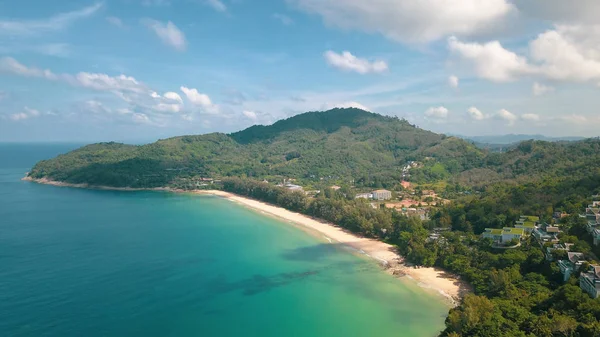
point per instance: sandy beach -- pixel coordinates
(437, 280)
(430, 278)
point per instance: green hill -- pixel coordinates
(342, 143)
(339, 144)
(535, 159)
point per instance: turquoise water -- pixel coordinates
(77, 262)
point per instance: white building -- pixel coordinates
(504, 235)
(382, 195)
(590, 281)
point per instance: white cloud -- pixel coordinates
(168, 33)
(32, 112)
(54, 23)
(453, 81)
(490, 60)
(574, 119)
(344, 105)
(168, 107)
(217, 5)
(540, 89)
(195, 97)
(25, 114)
(348, 62)
(475, 113)
(123, 111)
(129, 89)
(115, 21)
(531, 117)
(200, 100)
(437, 112)
(140, 98)
(170, 102)
(583, 11)
(140, 118)
(284, 19)
(95, 107)
(250, 115)
(411, 20)
(568, 53)
(94, 81)
(10, 65)
(507, 116)
(104, 82)
(173, 96)
(18, 116)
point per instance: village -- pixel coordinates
(414, 201)
(549, 236)
(553, 242)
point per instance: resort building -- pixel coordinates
(527, 226)
(382, 195)
(573, 263)
(527, 223)
(504, 235)
(592, 212)
(566, 247)
(596, 236)
(364, 196)
(546, 233)
(590, 281)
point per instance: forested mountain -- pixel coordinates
(343, 144)
(537, 160)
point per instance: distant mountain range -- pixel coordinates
(516, 138)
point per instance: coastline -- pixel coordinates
(430, 278)
(437, 280)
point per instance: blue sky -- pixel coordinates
(138, 70)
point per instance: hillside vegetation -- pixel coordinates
(342, 144)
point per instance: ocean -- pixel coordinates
(76, 262)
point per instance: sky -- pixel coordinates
(140, 70)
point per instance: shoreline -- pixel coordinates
(385, 254)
